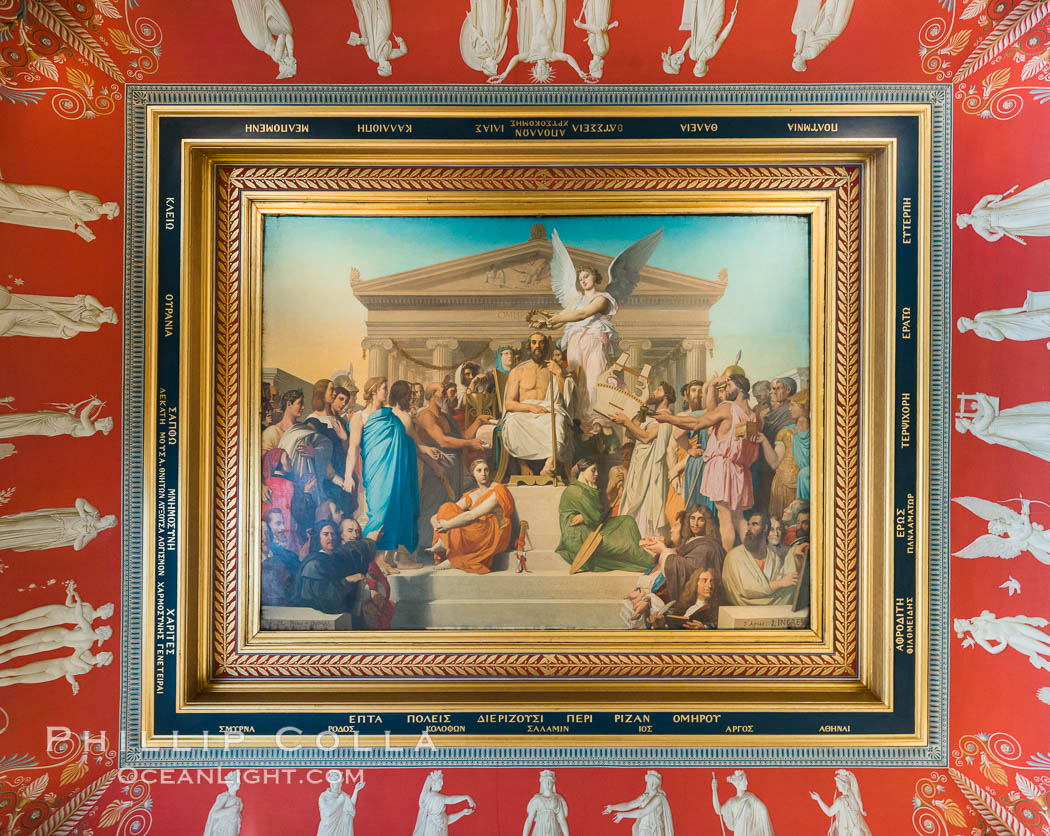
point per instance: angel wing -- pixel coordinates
(988, 545)
(987, 510)
(626, 268)
(563, 273)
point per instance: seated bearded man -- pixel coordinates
(468, 533)
(527, 422)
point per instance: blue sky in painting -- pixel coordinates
(313, 324)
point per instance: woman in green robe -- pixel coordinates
(580, 513)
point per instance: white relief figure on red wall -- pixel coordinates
(48, 670)
(596, 20)
(1009, 532)
(996, 634)
(336, 807)
(846, 810)
(72, 611)
(1030, 321)
(63, 317)
(375, 22)
(267, 27)
(703, 20)
(79, 420)
(1025, 428)
(650, 811)
(224, 818)
(815, 25)
(743, 813)
(541, 41)
(1014, 216)
(547, 812)
(51, 528)
(52, 207)
(483, 36)
(433, 819)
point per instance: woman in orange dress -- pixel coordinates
(468, 533)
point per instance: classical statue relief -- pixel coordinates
(25, 315)
(374, 21)
(266, 25)
(541, 41)
(1010, 532)
(650, 810)
(595, 20)
(815, 25)
(79, 420)
(743, 813)
(547, 814)
(1031, 321)
(72, 611)
(1025, 428)
(1018, 632)
(846, 810)
(1014, 216)
(51, 528)
(68, 668)
(483, 36)
(52, 207)
(703, 20)
(224, 818)
(336, 807)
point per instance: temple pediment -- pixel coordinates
(516, 271)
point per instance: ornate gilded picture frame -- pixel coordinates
(853, 670)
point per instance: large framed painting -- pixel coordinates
(589, 423)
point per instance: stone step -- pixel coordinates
(428, 584)
(538, 505)
(510, 614)
(303, 618)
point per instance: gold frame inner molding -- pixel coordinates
(842, 663)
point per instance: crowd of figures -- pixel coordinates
(709, 504)
(547, 811)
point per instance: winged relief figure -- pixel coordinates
(590, 338)
(1009, 532)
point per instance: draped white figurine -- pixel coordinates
(73, 611)
(744, 814)
(587, 313)
(594, 20)
(1022, 215)
(650, 810)
(374, 21)
(266, 25)
(1009, 532)
(336, 807)
(815, 25)
(81, 637)
(483, 36)
(702, 19)
(24, 315)
(52, 207)
(997, 634)
(224, 818)
(1031, 321)
(432, 819)
(1025, 428)
(68, 668)
(846, 809)
(79, 420)
(50, 528)
(547, 813)
(541, 40)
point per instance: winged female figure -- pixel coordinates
(590, 338)
(1009, 532)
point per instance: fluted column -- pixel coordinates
(634, 349)
(378, 353)
(443, 349)
(695, 359)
